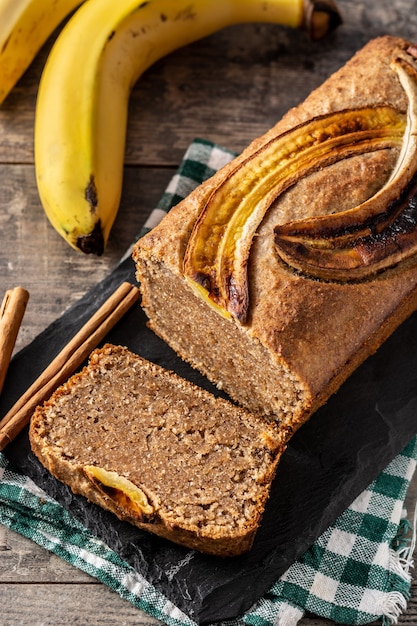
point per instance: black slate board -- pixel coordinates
(329, 462)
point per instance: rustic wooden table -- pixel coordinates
(228, 88)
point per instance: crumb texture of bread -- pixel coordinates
(303, 336)
(200, 467)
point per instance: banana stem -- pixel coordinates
(321, 17)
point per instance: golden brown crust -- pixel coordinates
(320, 331)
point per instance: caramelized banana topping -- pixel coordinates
(125, 495)
(375, 235)
(348, 245)
(353, 253)
(216, 258)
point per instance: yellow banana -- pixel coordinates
(25, 25)
(81, 112)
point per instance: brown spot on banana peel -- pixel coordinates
(5, 44)
(219, 246)
(91, 194)
(92, 242)
(376, 235)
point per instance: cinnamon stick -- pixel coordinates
(12, 311)
(67, 361)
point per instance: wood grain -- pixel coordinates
(228, 88)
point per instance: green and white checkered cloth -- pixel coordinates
(358, 571)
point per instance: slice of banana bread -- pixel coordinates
(300, 328)
(159, 452)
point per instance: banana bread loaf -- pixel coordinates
(159, 452)
(280, 274)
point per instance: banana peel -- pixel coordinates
(24, 27)
(82, 105)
